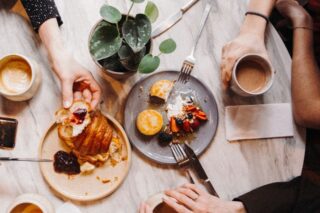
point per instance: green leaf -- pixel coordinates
(105, 41)
(137, 1)
(137, 32)
(125, 52)
(110, 14)
(112, 63)
(149, 63)
(129, 59)
(168, 46)
(151, 11)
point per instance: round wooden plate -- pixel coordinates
(138, 100)
(96, 185)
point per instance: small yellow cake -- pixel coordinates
(149, 122)
(160, 90)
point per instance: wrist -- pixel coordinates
(304, 20)
(254, 25)
(59, 61)
(238, 207)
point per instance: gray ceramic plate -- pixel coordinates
(138, 100)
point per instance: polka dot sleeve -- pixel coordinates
(41, 10)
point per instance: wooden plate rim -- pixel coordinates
(101, 195)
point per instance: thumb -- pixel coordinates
(226, 71)
(67, 93)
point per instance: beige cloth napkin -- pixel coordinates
(258, 121)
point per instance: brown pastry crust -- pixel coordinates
(92, 142)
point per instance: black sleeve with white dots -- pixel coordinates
(41, 10)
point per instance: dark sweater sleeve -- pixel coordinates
(275, 197)
(41, 10)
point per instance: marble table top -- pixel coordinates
(234, 168)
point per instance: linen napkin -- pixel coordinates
(258, 121)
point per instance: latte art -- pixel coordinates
(15, 76)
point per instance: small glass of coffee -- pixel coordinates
(252, 75)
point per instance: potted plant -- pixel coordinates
(121, 44)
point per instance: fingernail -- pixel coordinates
(66, 104)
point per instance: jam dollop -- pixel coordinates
(79, 115)
(66, 163)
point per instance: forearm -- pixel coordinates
(274, 197)
(256, 24)
(41, 11)
(305, 79)
(49, 33)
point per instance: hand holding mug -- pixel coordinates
(245, 43)
(189, 198)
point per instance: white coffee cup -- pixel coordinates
(252, 75)
(26, 83)
(25, 200)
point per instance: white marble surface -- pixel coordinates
(234, 168)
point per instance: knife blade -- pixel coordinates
(25, 159)
(172, 20)
(199, 169)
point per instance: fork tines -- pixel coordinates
(182, 159)
(185, 72)
(179, 154)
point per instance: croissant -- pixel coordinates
(86, 132)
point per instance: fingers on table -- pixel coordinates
(181, 198)
(144, 208)
(179, 208)
(194, 188)
(188, 192)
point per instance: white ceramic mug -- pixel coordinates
(34, 84)
(155, 200)
(35, 199)
(237, 88)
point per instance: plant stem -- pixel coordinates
(118, 28)
(159, 54)
(129, 11)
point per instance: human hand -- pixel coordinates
(144, 208)
(76, 81)
(245, 43)
(188, 198)
(295, 12)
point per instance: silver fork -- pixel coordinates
(181, 158)
(190, 61)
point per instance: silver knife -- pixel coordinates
(25, 159)
(172, 20)
(199, 169)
